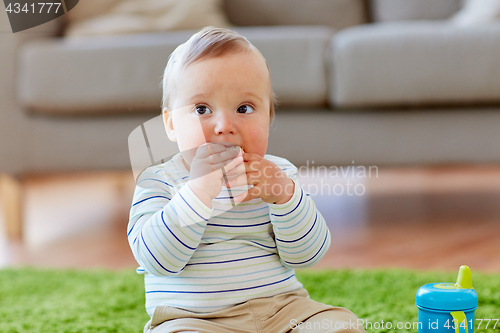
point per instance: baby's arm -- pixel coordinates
(165, 228)
(302, 236)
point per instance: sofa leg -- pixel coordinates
(11, 199)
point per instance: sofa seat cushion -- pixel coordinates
(120, 74)
(415, 63)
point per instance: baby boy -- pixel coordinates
(218, 230)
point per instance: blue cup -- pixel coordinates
(447, 307)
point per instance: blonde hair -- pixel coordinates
(209, 42)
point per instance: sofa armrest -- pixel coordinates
(14, 124)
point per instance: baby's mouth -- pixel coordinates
(232, 146)
(235, 147)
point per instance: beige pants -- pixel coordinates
(292, 312)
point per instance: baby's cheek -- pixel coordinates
(190, 135)
(258, 138)
(189, 141)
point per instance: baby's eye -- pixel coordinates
(202, 109)
(245, 109)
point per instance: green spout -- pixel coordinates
(464, 279)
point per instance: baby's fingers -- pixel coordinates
(252, 193)
(221, 161)
(236, 166)
(237, 180)
(225, 157)
(207, 149)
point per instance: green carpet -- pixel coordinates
(52, 301)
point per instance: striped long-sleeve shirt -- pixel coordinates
(203, 259)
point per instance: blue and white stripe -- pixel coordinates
(203, 259)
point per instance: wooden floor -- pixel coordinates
(433, 218)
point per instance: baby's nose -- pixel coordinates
(225, 125)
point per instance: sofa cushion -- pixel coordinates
(415, 63)
(90, 8)
(143, 16)
(123, 73)
(400, 10)
(335, 13)
(477, 12)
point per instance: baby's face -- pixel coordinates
(222, 99)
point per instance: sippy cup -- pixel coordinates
(447, 307)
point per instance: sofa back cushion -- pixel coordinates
(88, 9)
(122, 74)
(415, 63)
(401, 10)
(335, 13)
(478, 12)
(143, 16)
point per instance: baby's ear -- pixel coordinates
(169, 126)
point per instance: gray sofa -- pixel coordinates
(381, 82)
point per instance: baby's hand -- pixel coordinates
(205, 176)
(269, 182)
